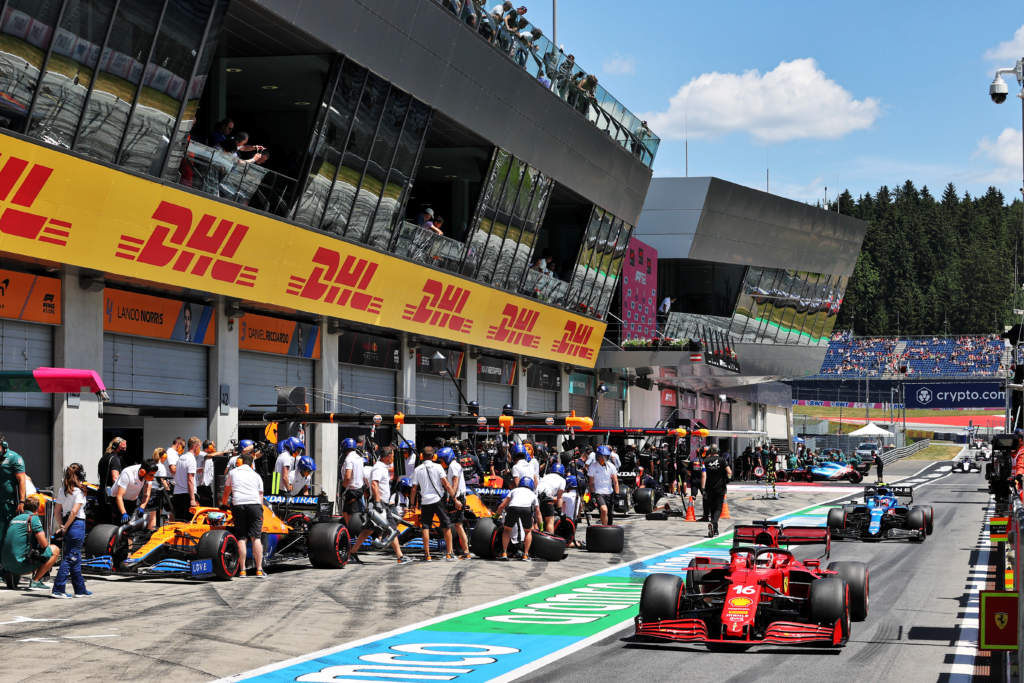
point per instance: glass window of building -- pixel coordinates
(27, 31)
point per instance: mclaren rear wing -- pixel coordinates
(771, 534)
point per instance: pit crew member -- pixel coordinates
(523, 507)
(432, 485)
(132, 489)
(380, 494)
(603, 481)
(549, 493)
(243, 489)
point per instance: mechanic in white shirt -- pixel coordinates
(456, 477)
(432, 485)
(291, 448)
(302, 476)
(407, 451)
(571, 498)
(206, 470)
(353, 482)
(522, 508)
(185, 481)
(521, 467)
(380, 494)
(132, 489)
(243, 489)
(603, 482)
(550, 492)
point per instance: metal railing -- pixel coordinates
(542, 59)
(902, 452)
(222, 174)
(425, 246)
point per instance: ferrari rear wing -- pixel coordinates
(771, 534)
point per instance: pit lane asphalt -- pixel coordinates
(917, 593)
(179, 630)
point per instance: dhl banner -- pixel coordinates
(64, 209)
(32, 298)
(153, 316)
(275, 335)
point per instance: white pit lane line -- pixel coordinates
(540, 662)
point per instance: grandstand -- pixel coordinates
(889, 357)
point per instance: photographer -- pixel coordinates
(25, 548)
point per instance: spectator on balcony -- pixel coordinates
(563, 76)
(221, 132)
(541, 266)
(425, 216)
(242, 147)
(586, 86)
(469, 13)
(435, 226)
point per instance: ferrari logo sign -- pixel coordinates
(998, 621)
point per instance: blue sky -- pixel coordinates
(839, 94)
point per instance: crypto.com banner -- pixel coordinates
(955, 395)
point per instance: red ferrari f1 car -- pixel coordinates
(761, 594)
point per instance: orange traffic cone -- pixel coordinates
(725, 510)
(690, 516)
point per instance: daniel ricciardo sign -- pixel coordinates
(955, 395)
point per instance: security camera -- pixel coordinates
(998, 90)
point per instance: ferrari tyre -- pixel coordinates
(694, 577)
(221, 546)
(643, 501)
(545, 546)
(102, 540)
(605, 538)
(857, 578)
(566, 529)
(828, 600)
(660, 597)
(836, 518)
(481, 540)
(328, 545)
(916, 520)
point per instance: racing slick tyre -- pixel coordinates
(855, 477)
(916, 520)
(808, 476)
(829, 600)
(566, 529)
(355, 525)
(481, 541)
(643, 501)
(102, 540)
(546, 546)
(222, 547)
(603, 538)
(620, 504)
(694, 577)
(856, 576)
(836, 518)
(660, 597)
(929, 518)
(328, 545)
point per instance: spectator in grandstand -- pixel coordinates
(563, 76)
(425, 216)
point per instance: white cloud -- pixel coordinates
(1009, 50)
(1004, 155)
(619, 66)
(794, 100)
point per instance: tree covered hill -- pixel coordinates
(932, 266)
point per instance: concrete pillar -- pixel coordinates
(407, 384)
(471, 388)
(563, 388)
(223, 380)
(521, 393)
(325, 445)
(78, 343)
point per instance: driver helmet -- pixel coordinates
(527, 482)
(307, 464)
(216, 518)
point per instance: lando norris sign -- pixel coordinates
(955, 395)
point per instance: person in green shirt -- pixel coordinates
(24, 533)
(12, 485)
(791, 460)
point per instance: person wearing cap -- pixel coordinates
(132, 489)
(603, 480)
(456, 477)
(243, 489)
(714, 479)
(430, 482)
(109, 468)
(380, 495)
(185, 481)
(426, 216)
(523, 507)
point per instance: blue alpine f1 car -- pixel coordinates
(823, 471)
(882, 515)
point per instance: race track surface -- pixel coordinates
(917, 598)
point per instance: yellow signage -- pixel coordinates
(60, 208)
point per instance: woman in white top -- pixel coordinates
(70, 509)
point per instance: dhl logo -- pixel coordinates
(440, 307)
(19, 223)
(574, 340)
(198, 248)
(334, 281)
(516, 327)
